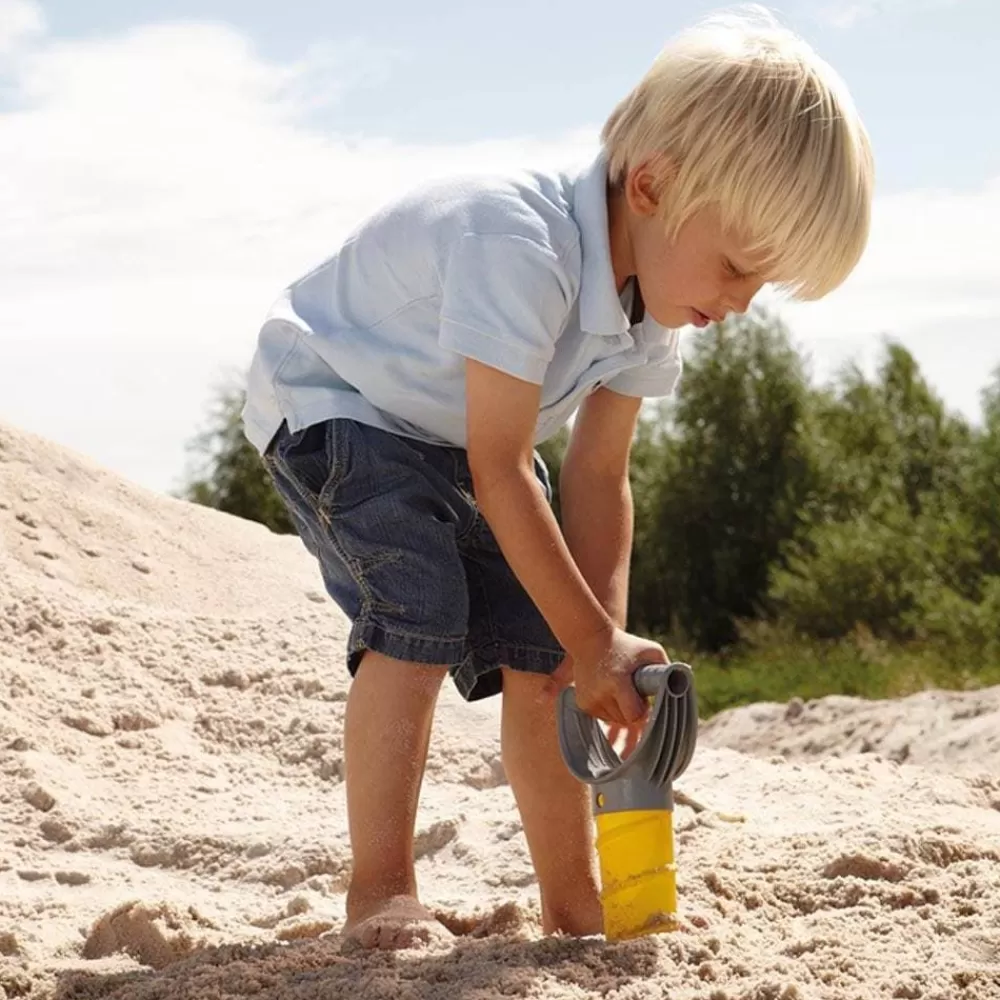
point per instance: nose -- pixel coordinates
(739, 296)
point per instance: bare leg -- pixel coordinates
(387, 730)
(554, 806)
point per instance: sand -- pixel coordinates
(172, 690)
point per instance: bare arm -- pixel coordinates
(501, 415)
(596, 497)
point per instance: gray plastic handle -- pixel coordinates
(649, 680)
(665, 748)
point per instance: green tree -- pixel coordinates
(884, 441)
(652, 605)
(228, 473)
(983, 494)
(732, 488)
(552, 452)
(889, 529)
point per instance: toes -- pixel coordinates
(389, 936)
(407, 935)
(404, 924)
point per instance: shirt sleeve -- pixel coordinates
(659, 375)
(505, 301)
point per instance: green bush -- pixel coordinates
(864, 572)
(956, 623)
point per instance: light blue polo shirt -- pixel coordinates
(513, 271)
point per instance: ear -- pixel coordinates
(646, 185)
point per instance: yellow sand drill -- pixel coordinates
(633, 800)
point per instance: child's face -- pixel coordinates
(700, 276)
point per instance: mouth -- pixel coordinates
(701, 319)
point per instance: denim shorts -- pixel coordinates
(407, 555)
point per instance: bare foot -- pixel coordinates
(397, 922)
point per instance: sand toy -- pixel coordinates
(633, 799)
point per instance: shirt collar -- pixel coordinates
(600, 306)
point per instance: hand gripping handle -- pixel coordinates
(667, 743)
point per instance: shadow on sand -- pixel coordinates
(466, 969)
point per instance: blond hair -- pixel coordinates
(739, 114)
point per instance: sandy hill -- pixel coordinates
(173, 824)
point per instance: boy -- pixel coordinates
(399, 390)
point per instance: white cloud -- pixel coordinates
(846, 13)
(160, 187)
(157, 191)
(20, 22)
(930, 278)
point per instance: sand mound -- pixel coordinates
(943, 730)
(171, 698)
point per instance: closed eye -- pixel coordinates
(733, 271)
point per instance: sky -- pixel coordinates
(168, 166)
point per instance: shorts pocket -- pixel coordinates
(314, 460)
